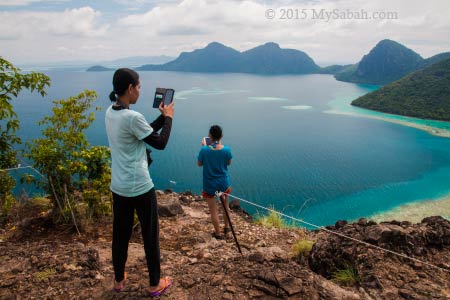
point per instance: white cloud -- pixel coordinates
(24, 2)
(74, 22)
(243, 24)
(171, 27)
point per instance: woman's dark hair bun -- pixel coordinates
(113, 96)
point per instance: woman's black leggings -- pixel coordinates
(147, 211)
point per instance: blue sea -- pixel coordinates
(289, 151)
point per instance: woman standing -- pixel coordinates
(131, 184)
(215, 159)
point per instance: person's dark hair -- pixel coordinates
(216, 132)
(121, 81)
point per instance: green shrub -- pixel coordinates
(7, 204)
(302, 247)
(67, 161)
(348, 276)
(12, 82)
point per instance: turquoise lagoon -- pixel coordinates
(297, 143)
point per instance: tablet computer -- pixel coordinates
(163, 95)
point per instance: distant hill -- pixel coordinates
(128, 62)
(423, 94)
(213, 58)
(98, 69)
(265, 59)
(386, 62)
(271, 59)
(434, 59)
(334, 69)
(136, 61)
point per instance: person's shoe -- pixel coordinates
(119, 286)
(217, 236)
(167, 284)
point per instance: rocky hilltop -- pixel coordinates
(39, 260)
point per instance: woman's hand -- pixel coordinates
(166, 110)
(203, 142)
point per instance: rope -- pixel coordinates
(26, 167)
(337, 233)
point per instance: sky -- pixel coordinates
(341, 31)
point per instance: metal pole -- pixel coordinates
(231, 225)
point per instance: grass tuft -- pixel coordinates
(347, 276)
(43, 275)
(271, 220)
(302, 247)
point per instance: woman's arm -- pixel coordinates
(159, 141)
(158, 123)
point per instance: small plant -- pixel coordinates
(302, 247)
(45, 274)
(40, 202)
(348, 276)
(7, 205)
(271, 220)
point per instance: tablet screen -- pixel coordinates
(168, 96)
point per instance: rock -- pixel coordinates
(227, 296)
(340, 224)
(329, 290)
(91, 261)
(188, 193)
(8, 282)
(371, 223)
(373, 233)
(407, 294)
(256, 294)
(34, 260)
(169, 207)
(235, 204)
(272, 253)
(217, 279)
(362, 222)
(187, 282)
(193, 260)
(185, 200)
(231, 289)
(7, 295)
(290, 285)
(267, 289)
(256, 256)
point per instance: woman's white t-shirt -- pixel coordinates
(126, 129)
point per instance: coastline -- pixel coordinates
(430, 129)
(416, 211)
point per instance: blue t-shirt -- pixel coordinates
(215, 168)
